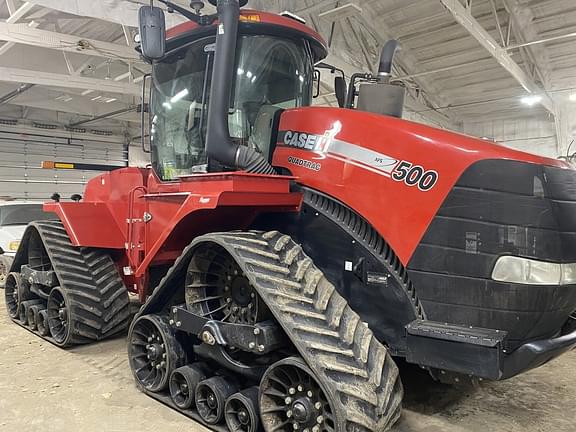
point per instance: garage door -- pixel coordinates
(21, 155)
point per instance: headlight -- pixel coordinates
(13, 245)
(533, 272)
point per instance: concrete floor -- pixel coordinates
(46, 389)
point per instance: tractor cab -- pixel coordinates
(272, 70)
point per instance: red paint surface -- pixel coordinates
(400, 213)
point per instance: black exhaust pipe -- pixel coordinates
(219, 145)
(387, 59)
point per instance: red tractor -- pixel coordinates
(285, 254)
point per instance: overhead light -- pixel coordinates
(531, 100)
(87, 92)
(111, 100)
(96, 98)
(167, 105)
(179, 96)
(572, 97)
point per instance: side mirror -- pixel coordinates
(340, 89)
(152, 32)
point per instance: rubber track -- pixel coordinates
(352, 365)
(361, 230)
(99, 300)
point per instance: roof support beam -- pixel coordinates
(20, 12)
(22, 33)
(463, 17)
(23, 76)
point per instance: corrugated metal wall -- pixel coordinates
(22, 152)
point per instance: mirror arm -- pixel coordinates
(198, 19)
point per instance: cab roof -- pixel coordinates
(253, 18)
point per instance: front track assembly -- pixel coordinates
(65, 294)
(246, 331)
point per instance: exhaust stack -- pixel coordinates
(379, 96)
(219, 145)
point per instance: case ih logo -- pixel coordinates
(398, 170)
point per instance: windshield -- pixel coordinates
(23, 214)
(272, 73)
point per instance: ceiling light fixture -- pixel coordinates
(572, 97)
(531, 100)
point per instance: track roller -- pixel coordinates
(154, 352)
(32, 315)
(211, 396)
(183, 384)
(24, 312)
(242, 411)
(42, 323)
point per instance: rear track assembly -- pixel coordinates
(85, 299)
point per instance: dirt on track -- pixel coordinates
(90, 388)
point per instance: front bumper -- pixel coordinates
(478, 352)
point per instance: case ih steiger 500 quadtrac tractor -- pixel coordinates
(286, 254)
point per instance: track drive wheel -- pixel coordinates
(211, 396)
(242, 411)
(154, 352)
(183, 384)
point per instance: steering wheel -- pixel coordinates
(215, 2)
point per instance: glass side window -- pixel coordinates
(177, 133)
(271, 74)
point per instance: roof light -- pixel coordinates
(531, 100)
(179, 96)
(572, 97)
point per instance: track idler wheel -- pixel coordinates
(11, 294)
(211, 396)
(154, 352)
(42, 323)
(183, 384)
(241, 411)
(58, 311)
(5, 264)
(291, 395)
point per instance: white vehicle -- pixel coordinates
(14, 217)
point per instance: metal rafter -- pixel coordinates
(463, 17)
(22, 76)
(24, 34)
